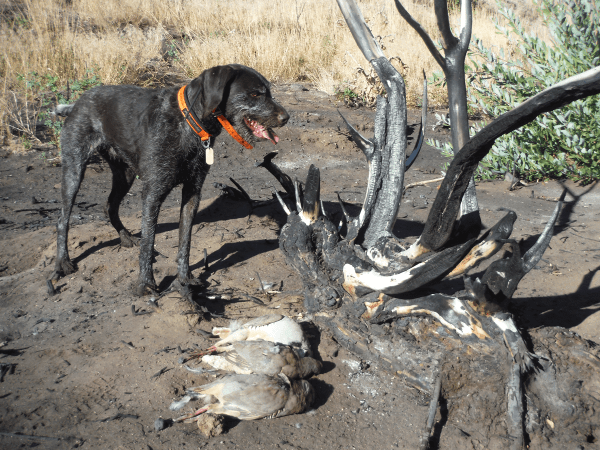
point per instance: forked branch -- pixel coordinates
(452, 64)
(421, 31)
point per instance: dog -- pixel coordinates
(164, 137)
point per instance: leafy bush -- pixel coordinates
(38, 94)
(64, 94)
(559, 144)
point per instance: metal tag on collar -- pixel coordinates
(209, 153)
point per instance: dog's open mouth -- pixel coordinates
(261, 131)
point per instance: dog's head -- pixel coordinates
(243, 96)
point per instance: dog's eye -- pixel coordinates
(255, 94)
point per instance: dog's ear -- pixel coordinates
(214, 86)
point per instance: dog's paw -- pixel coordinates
(64, 267)
(142, 289)
(127, 240)
(190, 281)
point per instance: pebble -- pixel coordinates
(160, 424)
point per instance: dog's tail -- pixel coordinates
(63, 110)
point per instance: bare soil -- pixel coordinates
(85, 366)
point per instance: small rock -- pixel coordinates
(211, 424)
(298, 87)
(160, 424)
(19, 313)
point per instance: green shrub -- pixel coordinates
(39, 94)
(73, 90)
(564, 143)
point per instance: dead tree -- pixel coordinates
(357, 282)
(369, 258)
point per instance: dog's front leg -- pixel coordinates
(190, 200)
(151, 202)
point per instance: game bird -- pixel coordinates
(263, 357)
(273, 327)
(249, 397)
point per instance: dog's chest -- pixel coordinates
(192, 165)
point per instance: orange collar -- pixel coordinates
(193, 123)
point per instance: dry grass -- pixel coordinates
(139, 41)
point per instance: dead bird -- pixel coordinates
(263, 357)
(273, 327)
(249, 397)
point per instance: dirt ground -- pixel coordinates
(85, 366)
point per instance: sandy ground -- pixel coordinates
(85, 366)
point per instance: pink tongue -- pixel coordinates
(262, 132)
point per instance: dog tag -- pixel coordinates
(210, 156)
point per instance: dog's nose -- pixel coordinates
(283, 118)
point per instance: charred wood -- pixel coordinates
(274, 170)
(361, 286)
(452, 64)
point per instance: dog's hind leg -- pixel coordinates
(123, 178)
(74, 158)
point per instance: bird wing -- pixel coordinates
(261, 356)
(263, 321)
(238, 361)
(230, 361)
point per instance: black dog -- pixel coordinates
(165, 137)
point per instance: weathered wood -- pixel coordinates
(360, 288)
(452, 64)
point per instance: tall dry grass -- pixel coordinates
(137, 41)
